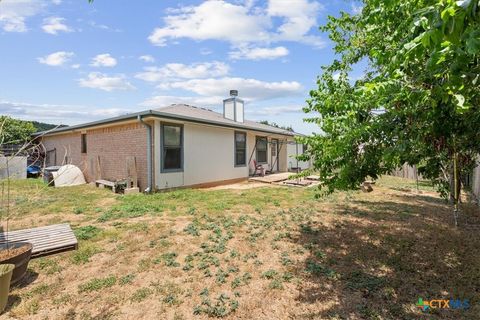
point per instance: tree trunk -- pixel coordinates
(452, 184)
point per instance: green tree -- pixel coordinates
(13, 131)
(418, 101)
(42, 126)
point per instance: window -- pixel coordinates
(84, 142)
(172, 145)
(273, 149)
(261, 144)
(304, 148)
(240, 149)
(51, 157)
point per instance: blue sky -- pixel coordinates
(67, 61)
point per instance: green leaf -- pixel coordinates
(426, 39)
(447, 13)
(473, 43)
(460, 99)
(423, 72)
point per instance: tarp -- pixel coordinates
(68, 175)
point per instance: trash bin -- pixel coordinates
(33, 171)
(47, 174)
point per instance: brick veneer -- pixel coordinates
(113, 144)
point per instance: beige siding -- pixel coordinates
(292, 153)
(282, 161)
(209, 156)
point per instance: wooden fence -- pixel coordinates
(407, 171)
(476, 182)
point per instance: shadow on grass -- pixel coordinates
(376, 261)
(28, 279)
(13, 301)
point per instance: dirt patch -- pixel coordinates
(246, 185)
(263, 253)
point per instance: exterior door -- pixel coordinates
(274, 155)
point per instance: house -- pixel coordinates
(175, 146)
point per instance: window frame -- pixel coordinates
(272, 149)
(48, 157)
(162, 147)
(257, 138)
(83, 143)
(235, 149)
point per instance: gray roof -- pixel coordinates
(207, 114)
(186, 113)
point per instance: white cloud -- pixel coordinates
(54, 25)
(103, 60)
(57, 1)
(56, 59)
(147, 58)
(237, 23)
(97, 80)
(217, 20)
(249, 89)
(182, 71)
(100, 26)
(57, 114)
(14, 13)
(299, 16)
(249, 53)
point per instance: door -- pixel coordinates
(274, 155)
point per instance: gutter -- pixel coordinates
(163, 115)
(149, 155)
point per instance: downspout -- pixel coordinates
(296, 154)
(149, 155)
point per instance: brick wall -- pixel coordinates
(112, 144)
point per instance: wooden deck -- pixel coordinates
(273, 178)
(45, 240)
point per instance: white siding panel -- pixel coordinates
(292, 152)
(209, 155)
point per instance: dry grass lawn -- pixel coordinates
(262, 253)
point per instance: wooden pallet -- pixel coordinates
(105, 183)
(46, 240)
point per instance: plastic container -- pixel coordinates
(6, 271)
